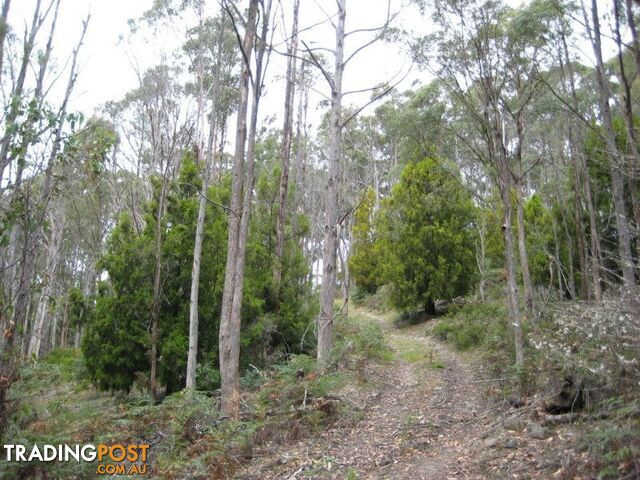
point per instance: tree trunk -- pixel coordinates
(634, 33)
(512, 285)
(615, 159)
(192, 355)
(481, 257)
(504, 180)
(64, 329)
(285, 153)
(343, 255)
(522, 249)
(583, 264)
(157, 286)
(324, 321)
(582, 179)
(634, 155)
(229, 341)
(53, 335)
(53, 256)
(556, 257)
(4, 27)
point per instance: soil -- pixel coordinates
(430, 413)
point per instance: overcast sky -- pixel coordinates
(111, 54)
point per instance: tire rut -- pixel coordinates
(423, 420)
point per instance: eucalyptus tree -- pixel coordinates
(616, 161)
(287, 132)
(209, 79)
(33, 139)
(258, 36)
(488, 59)
(337, 120)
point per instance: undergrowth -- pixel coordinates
(595, 344)
(54, 403)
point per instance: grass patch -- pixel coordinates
(379, 301)
(411, 350)
(361, 337)
(473, 325)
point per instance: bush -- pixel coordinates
(362, 337)
(463, 335)
(379, 301)
(614, 444)
(475, 324)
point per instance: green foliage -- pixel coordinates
(427, 238)
(540, 241)
(475, 324)
(614, 444)
(116, 342)
(364, 262)
(362, 337)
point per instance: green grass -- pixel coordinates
(411, 350)
(474, 325)
(361, 336)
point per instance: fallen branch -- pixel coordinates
(294, 474)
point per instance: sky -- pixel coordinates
(111, 55)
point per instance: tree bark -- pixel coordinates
(615, 159)
(522, 249)
(202, 208)
(285, 153)
(229, 341)
(504, 179)
(42, 311)
(324, 321)
(512, 285)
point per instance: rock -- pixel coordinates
(511, 443)
(569, 399)
(516, 402)
(538, 431)
(493, 442)
(513, 424)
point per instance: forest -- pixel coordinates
(272, 258)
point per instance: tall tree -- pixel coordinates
(613, 152)
(324, 323)
(287, 131)
(229, 349)
(206, 178)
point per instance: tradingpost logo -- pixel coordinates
(116, 459)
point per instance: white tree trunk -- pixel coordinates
(53, 256)
(229, 341)
(324, 321)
